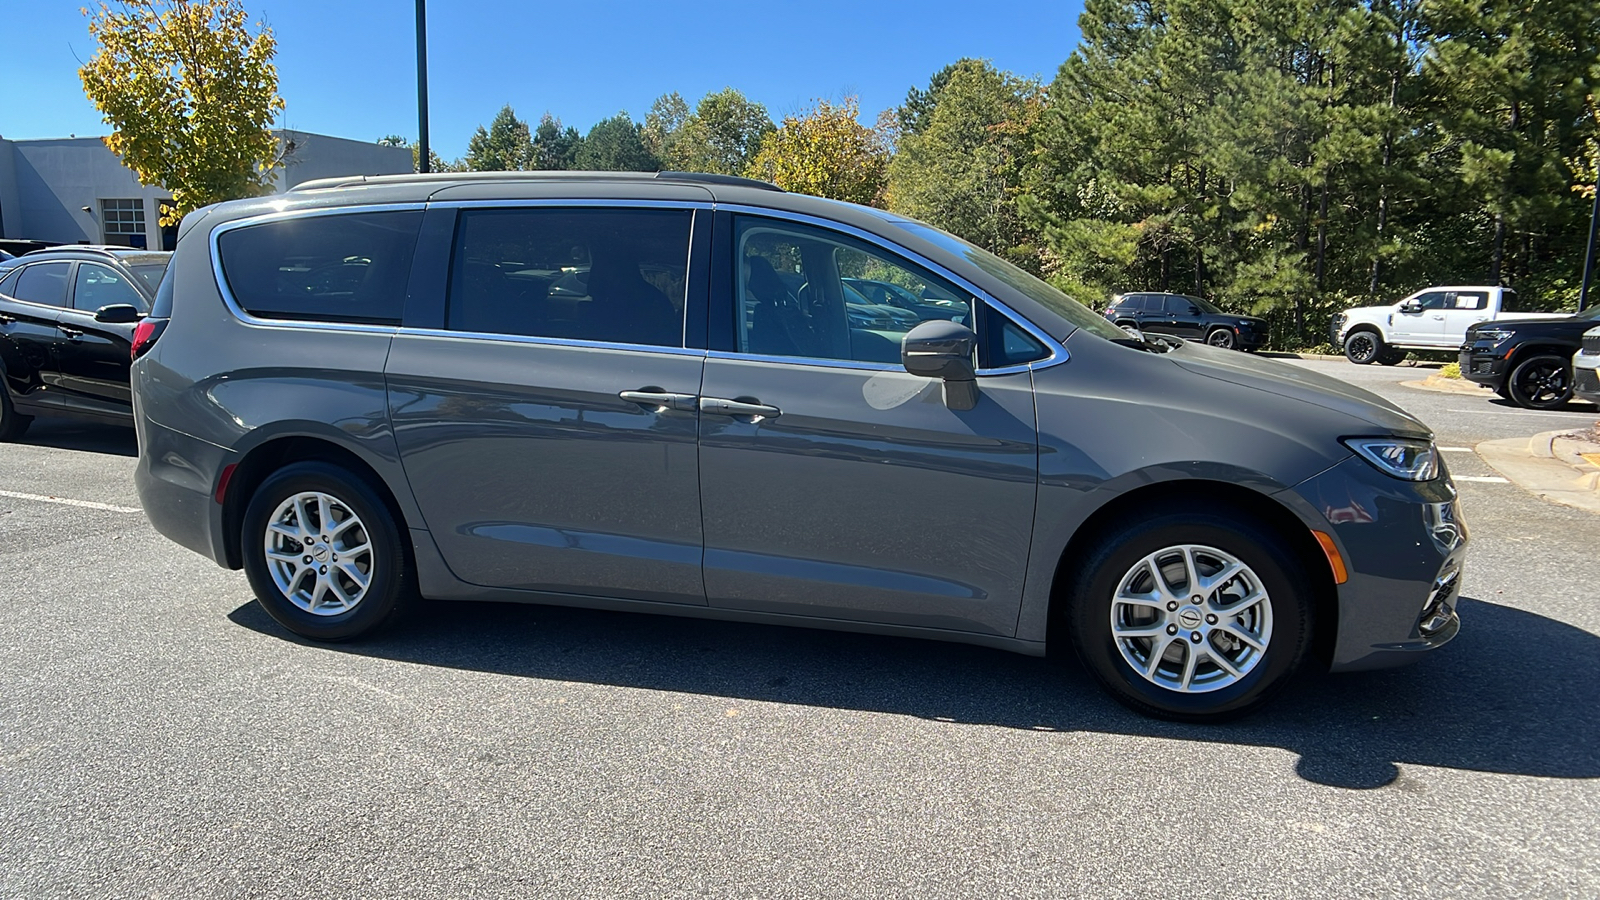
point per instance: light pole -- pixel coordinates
(1588, 256)
(422, 86)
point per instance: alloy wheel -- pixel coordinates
(1543, 383)
(1191, 619)
(1220, 337)
(1361, 348)
(318, 553)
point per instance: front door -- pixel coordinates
(1185, 317)
(833, 483)
(548, 429)
(92, 360)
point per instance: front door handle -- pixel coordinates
(739, 409)
(658, 400)
(70, 332)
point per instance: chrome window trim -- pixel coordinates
(267, 218)
(1058, 353)
(814, 361)
(404, 331)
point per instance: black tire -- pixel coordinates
(391, 581)
(1102, 570)
(1222, 338)
(13, 425)
(1540, 382)
(1363, 347)
(1392, 356)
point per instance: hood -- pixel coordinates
(1368, 311)
(1279, 378)
(1532, 319)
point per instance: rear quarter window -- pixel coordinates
(345, 267)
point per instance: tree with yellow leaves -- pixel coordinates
(827, 153)
(190, 93)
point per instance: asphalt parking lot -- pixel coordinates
(160, 736)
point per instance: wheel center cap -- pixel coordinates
(1189, 617)
(320, 554)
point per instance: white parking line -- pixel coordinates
(86, 504)
(1485, 479)
(1455, 449)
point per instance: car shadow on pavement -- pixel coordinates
(88, 437)
(1515, 693)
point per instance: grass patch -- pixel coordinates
(1450, 370)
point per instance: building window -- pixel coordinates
(123, 222)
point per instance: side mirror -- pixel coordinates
(944, 350)
(118, 314)
(1194, 310)
(1411, 306)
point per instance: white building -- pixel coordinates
(75, 190)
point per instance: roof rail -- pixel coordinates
(710, 178)
(318, 184)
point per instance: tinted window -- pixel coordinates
(1468, 300)
(612, 275)
(8, 282)
(810, 293)
(1006, 344)
(1150, 303)
(339, 268)
(150, 274)
(96, 286)
(44, 283)
(162, 307)
(1434, 300)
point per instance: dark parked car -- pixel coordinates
(705, 432)
(1190, 318)
(1527, 361)
(67, 319)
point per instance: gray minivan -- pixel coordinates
(652, 393)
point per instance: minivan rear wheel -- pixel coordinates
(323, 552)
(1191, 614)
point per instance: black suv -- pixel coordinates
(67, 322)
(1187, 317)
(1526, 361)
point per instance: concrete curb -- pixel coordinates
(1548, 466)
(1448, 386)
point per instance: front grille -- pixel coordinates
(1585, 381)
(1439, 609)
(1591, 344)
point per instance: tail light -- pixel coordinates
(145, 335)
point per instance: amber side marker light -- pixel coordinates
(1335, 561)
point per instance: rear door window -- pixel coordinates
(606, 275)
(349, 267)
(44, 283)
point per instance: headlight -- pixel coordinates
(1403, 458)
(1492, 334)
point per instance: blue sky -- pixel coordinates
(347, 67)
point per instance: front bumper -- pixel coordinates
(1482, 363)
(1586, 377)
(1405, 547)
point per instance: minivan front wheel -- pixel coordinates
(323, 552)
(1191, 614)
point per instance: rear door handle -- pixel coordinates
(739, 409)
(659, 400)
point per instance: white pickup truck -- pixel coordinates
(1433, 318)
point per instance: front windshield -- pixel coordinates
(1038, 291)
